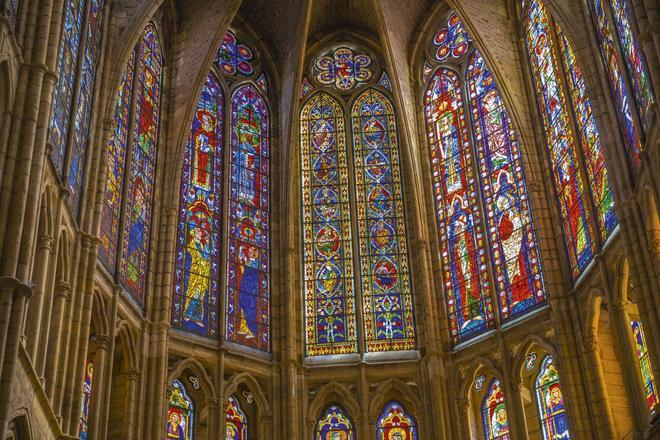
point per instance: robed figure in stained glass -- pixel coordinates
(493, 408)
(395, 424)
(198, 264)
(179, 413)
(550, 401)
(644, 364)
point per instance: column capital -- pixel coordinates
(102, 341)
(62, 288)
(463, 405)
(591, 344)
(45, 241)
(15, 287)
(133, 374)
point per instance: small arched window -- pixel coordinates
(645, 369)
(334, 425)
(205, 208)
(482, 208)
(131, 170)
(394, 423)
(573, 143)
(493, 413)
(236, 423)
(71, 107)
(180, 413)
(550, 402)
(352, 209)
(86, 399)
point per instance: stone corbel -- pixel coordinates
(15, 287)
(62, 288)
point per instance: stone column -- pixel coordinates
(99, 395)
(35, 307)
(62, 291)
(132, 376)
(463, 407)
(599, 402)
(518, 407)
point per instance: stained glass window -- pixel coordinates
(328, 259)
(650, 392)
(452, 40)
(624, 112)
(180, 413)
(599, 184)
(198, 240)
(343, 69)
(569, 181)
(460, 224)
(386, 300)
(248, 257)
(395, 424)
(235, 420)
(10, 9)
(384, 81)
(84, 405)
(484, 219)
(233, 57)
(334, 425)
(142, 166)
(634, 59)
(306, 87)
(493, 413)
(66, 76)
(554, 419)
(114, 173)
(83, 109)
(513, 246)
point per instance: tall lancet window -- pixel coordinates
(484, 220)
(243, 210)
(353, 213)
(71, 108)
(573, 143)
(550, 402)
(493, 413)
(632, 109)
(131, 170)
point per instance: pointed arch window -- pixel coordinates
(180, 413)
(244, 157)
(578, 167)
(71, 107)
(353, 218)
(493, 413)
(645, 369)
(131, 170)
(235, 420)
(9, 8)
(86, 399)
(395, 423)
(550, 401)
(334, 424)
(481, 204)
(627, 110)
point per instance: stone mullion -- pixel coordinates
(462, 408)
(363, 398)
(62, 291)
(36, 304)
(625, 348)
(13, 297)
(512, 386)
(518, 406)
(104, 411)
(130, 411)
(103, 343)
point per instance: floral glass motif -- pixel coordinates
(386, 299)
(634, 60)
(384, 81)
(197, 270)
(306, 87)
(554, 419)
(395, 424)
(451, 40)
(142, 166)
(84, 405)
(248, 257)
(650, 391)
(262, 82)
(180, 413)
(530, 361)
(493, 413)
(569, 182)
(334, 425)
(235, 421)
(66, 79)
(479, 382)
(82, 115)
(513, 244)
(344, 69)
(599, 184)
(233, 57)
(460, 224)
(328, 259)
(624, 112)
(114, 174)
